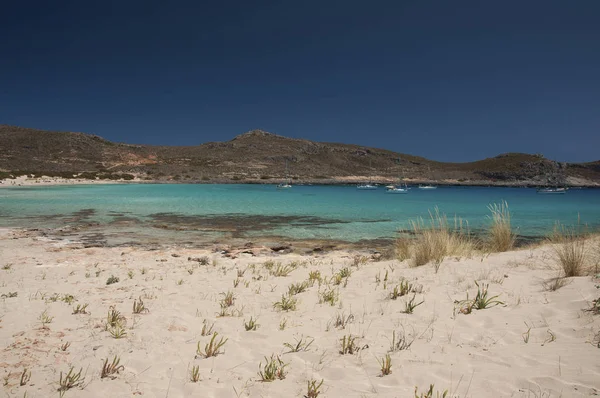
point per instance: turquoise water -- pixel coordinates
(189, 213)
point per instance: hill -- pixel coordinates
(259, 156)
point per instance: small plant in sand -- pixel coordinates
(402, 289)
(287, 303)
(7, 266)
(240, 273)
(139, 307)
(206, 328)
(9, 295)
(236, 282)
(180, 282)
(80, 309)
(282, 324)
(117, 331)
(359, 260)
(204, 260)
(70, 380)
(385, 365)
(273, 369)
(595, 307)
(65, 346)
(341, 320)
(315, 276)
(297, 288)
(400, 342)
(553, 284)
(411, 304)
(228, 299)
(251, 324)
(329, 296)
(111, 369)
(45, 319)
(481, 301)
(112, 279)
(130, 274)
(430, 393)
(526, 334)
(25, 377)
(281, 270)
(301, 344)
(113, 318)
(348, 345)
(570, 249)
(144, 271)
(313, 388)
(212, 348)
(501, 237)
(195, 374)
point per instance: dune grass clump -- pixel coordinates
(402, 289)
(287, 303)
(329, 296)
(273, 369)
(251, 325)
(206, 328)
(280, 270)
(430, 393)
(481, 301)
(348, 345)
(313, 388)
(400, 342)
(111, 369)
(112, 279)
(570, 249)
(70, 380)
(385, 365)
(212, 348)
(139, 307)
(436, 241)
(301, 344)
(80, 309)
(194, 374)
(297, 288)
(501, 237)
(342, 320)
(411, 304)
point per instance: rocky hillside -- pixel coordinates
(258, 156)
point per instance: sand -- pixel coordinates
(481, 354)
(23, 181)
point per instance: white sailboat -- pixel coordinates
(397, 189)
(288, 184)
(369, 185)
(427, 186)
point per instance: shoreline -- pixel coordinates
(24, 181)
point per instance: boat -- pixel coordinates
(367, 186)
(394, 189)
(428, 186)
(285, 185)
(552, 190)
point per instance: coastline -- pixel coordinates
(479, 354)
(25, 181)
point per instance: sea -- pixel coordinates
(198, 215)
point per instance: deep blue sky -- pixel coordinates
(449, 80)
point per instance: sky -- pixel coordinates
(448, 80)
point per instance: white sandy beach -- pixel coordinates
(487, 353)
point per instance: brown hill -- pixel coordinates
(258, 156)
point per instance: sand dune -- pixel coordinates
(538, 343)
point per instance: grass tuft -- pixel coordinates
(287, 303)
(313, 388)
(70, 380)
(273, 369)
(251, 324)
(111, 369)
(112, 279)
(302, 344)
(385, 364)
(570, 249)
(213, 348)
(501, 237)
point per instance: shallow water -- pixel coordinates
(190, 214)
